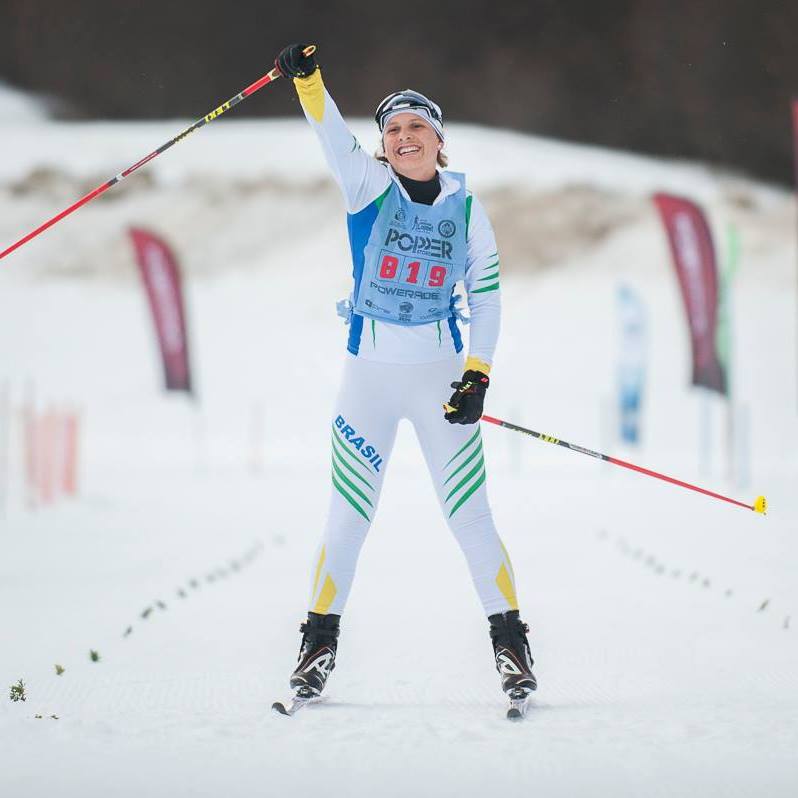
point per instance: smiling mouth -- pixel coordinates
(408, 150)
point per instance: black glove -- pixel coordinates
(465, 406)
(293, 63)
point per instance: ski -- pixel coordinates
(302, 698)
(518, 704)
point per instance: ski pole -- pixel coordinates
(273, 74)
(759, 505)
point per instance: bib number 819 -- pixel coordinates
(389, 268)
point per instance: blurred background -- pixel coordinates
(170, 356)
(704, 80)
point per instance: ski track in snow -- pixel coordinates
(655, 679)
(646, 685)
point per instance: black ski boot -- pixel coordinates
(316, 654)
(513, 657)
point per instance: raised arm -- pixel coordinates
(361, 177)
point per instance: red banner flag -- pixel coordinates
(795, 135)
(795, 142)
(694, 259)
(161, 275)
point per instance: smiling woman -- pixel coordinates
(398, 124)
(411, 147)
(415, 232)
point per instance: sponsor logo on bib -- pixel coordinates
(447, 228)
(424, 245)
(422, 226)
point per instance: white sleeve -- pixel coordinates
(482, 284)
(361, 177)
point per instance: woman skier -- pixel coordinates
(414, 231)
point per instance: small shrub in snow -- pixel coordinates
(18, 691)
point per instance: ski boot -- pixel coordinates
(316, 654)
(513, 657)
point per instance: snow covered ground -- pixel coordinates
(665, 624)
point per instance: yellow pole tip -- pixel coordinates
(760, 505)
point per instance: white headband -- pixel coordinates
(420, 112)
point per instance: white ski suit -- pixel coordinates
(393, 372)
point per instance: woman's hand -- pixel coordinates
(465, 405)
(293, 63)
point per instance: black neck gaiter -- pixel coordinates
(421, 191)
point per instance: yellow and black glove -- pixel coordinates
(293, 63)
(465, 404)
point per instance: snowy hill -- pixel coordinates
(663, 621)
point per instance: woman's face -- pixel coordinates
(411, 146)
